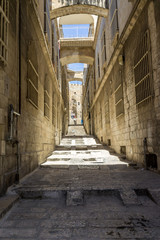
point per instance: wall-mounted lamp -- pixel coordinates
(121, 60)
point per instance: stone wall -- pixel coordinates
(34, 132)
(126, 133)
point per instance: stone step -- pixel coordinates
(63, 148)
(154, 194)
(88, 166)
(75, 197)
(6, 203)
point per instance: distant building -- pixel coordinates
(75, 103)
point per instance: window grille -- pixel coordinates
(53, 50)
(119, 101)
(98, 67)
(53, 108)
(4, 21)
(46, 98)
(99, 117)
(47, 20)
(107, 116)
(103, 48)
(113, 19)
(32, 91)
(142, 70)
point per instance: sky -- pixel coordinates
(75, 30)
(76, 66)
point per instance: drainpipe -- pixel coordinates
(19, 52)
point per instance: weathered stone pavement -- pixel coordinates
(85, 192)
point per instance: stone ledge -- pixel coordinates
(6, 203)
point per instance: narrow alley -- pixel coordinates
(84, 191)
(79, 119)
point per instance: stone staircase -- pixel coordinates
(83, 152)
(84, 191)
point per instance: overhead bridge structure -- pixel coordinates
(63, 8)
(76, 51)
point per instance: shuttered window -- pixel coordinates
(113, 11)
(142, 70)
(4, 16)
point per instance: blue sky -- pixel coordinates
(76, 82)
(76, 66)
(75, 30)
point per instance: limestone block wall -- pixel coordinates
(137, 122)
(34, 132)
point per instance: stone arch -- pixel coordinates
(76, 55)
(79, 9)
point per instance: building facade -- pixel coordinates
(123, 106)
(75, 103)
(32, 108)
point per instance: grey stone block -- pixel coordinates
(74, 198)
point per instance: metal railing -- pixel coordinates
(76, 32)
(97, 3)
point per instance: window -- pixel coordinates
(47, 20)
(113, 10)
(142, 70)
(4, 15)
(99, 116)
(53, 108)
(119, 103)
(98, 67)
(53, 50)
(107, 116)
(46, 97)
(103, 48)
(32, 88)
(57, 69)
(32, 75)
